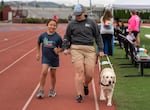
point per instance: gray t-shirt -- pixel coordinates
(83, 32)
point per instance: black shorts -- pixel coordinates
(50, 62)
(135, 33)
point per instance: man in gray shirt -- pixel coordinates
(79, 39)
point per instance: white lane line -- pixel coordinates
(30, 98)
(17, 61)
(94, 92)
(2, 50)
(95, 96)
(147, 36)
(146, 26)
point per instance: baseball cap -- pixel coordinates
(78, 10)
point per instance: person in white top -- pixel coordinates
(107, 31)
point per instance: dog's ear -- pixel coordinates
(103, 78)
(114, 78)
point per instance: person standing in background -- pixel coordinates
(56, 18)
(107, 31)
(133, 26)
(69, 18)
(81, 33)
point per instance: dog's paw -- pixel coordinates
(102, 98)
(109, 104)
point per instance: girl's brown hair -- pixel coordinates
(107, 15)
(50, 21)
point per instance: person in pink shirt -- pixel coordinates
(56, 18)
(133, 26)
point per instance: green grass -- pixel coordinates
(145, 41)
(131, 93)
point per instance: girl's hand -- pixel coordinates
(37, 57)
(57, 50)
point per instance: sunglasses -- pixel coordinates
(80, 14)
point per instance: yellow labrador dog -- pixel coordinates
(107, 84)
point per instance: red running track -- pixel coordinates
(20, 74)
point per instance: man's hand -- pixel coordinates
(66, 52)
(101, 54)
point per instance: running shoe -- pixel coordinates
(52, 93)
(86, 90)
(79, 98)
(40, 94)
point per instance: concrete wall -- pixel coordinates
(34, 12)
(63, 13)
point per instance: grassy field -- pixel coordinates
(131, 93)
(145, 41)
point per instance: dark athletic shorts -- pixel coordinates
(135, 33)
(51, 63)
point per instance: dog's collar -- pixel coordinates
(104, 84)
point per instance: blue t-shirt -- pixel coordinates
(49, 42)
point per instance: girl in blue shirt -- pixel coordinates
(51, 43)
